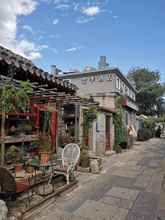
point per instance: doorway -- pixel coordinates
(108, 133)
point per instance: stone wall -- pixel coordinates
(100, 135)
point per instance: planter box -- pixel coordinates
(83, 169)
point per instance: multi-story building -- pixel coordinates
(104, 85)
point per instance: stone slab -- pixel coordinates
(121, 214)
(146, 203)
(138, 216)
(96, 211)
(161, 214)
(126, 172)
(161, 204)
(123, 193)
(117, 202)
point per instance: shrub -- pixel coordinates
(144, 134)
(124, 145)
(158, 132)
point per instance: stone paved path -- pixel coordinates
(130, 187)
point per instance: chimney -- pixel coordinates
(103, 63)
(54, 70)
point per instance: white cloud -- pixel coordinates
(83, 20)
(73, 49)
(29, 49)
(55, 21)
(28, 28)
(35, 55)
(10, 10)
(62, 6)
(55, 51)
(91, 11)
(52, 36)
(115, 17)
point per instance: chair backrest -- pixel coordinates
(70, 154)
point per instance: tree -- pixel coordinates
(149, 90)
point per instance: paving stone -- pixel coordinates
(146, 203)
(161, 204)
(138, 216)
(161, 214)
(145, 161)
(155, 184)
(154, 163)
(126, 172)
(117, 202)
(122, 181)
(121, 214)
(123, 193)
(143, 180)
(96, 211)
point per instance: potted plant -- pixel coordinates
(84, 157)
(14, 155)
(27, 128)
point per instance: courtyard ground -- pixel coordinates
(131, 186)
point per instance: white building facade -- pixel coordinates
(104, 86)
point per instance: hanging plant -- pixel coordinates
(13, 99)
(23, 96)
(7, 97)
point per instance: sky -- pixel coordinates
(73, 34)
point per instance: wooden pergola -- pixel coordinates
(46, 88)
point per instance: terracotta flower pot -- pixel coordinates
(18, 167)
(45, 156)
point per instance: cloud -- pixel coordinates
(55, 51)
(35, 55)
(10, 11)
(52, 36)
(83, 20)
(28, 28)
(61, 4)
(55, 21)
(73, 49)
(91, 11)
(115, 17)
(30, 49)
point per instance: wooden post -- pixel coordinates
(76, 122)
(3, 135)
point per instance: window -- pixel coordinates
(117, 83)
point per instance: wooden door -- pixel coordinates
(108, 136)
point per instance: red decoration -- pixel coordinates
(53, 129)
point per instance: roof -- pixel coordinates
(25, 70)
(70, 75)
(111, 110)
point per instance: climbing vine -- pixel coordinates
(89, 116)
(120, 130)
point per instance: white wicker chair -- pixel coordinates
(70, 157)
